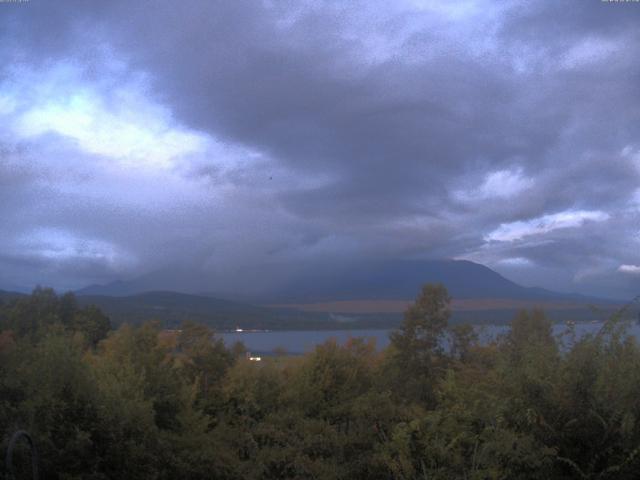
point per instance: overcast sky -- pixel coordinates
(245, 140)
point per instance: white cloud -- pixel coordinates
(118, 120)
(505, 183)
(515, 262)
(61, 245)
(508, 232)
(452, 10)
(497, 184)
(588, 51)
(7, 104)
(632, 269)
(131, 131)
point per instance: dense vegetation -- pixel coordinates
(141, 403)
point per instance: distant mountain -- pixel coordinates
(179, 279)
(400, 280)
(113, 289)
(377, 280)
(15, 288)
(154, 281)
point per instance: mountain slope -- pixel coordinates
(401, 280)
(374, 280)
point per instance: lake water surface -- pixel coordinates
(299, 342)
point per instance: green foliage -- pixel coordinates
(464, 339)
(33, 316)
(415, 351)
(144, 403)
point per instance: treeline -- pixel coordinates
(143, 403)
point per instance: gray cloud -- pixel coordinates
(331, 131)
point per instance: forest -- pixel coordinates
(140, 402)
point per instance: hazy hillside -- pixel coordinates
(365, 295)
(175, 280)
(480, 296)
(383, 280)
(400, 280)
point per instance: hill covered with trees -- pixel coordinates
(140, 402)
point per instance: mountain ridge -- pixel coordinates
(378, 280)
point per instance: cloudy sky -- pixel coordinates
(245, 140)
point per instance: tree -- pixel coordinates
(418, 341)
(529, 331)
(463, 339)
(92, 323)
(30, 316)
(205, 361)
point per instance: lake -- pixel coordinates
(299, 342)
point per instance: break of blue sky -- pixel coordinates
(270, 136)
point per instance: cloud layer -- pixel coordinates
(248, 140)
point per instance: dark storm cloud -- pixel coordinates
(380, 130)
(398, 129)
